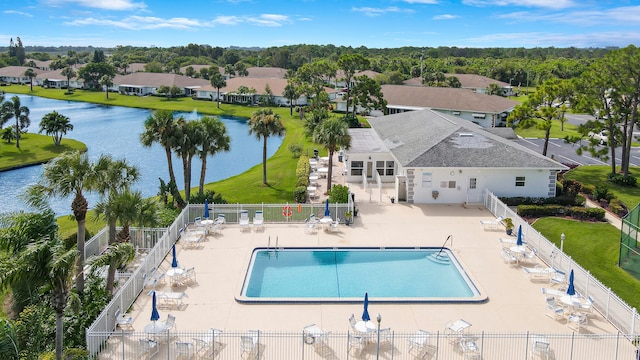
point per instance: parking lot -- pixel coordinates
(566, 153)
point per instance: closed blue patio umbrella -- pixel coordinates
(519, 240)
(571, 290)
(365, 313)
(327, 213)
(154, 309)
(206, 209)
(174, 262)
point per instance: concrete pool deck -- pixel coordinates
(515, 304)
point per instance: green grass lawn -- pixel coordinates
(34, 149)
(596, 174)
(556, 131)
(595, 246)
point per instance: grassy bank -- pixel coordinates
(582, 241)
(34, 149)
(594, 175)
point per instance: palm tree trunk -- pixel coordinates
(330, 170)
(79, 206)
(264, 161)
(17, 132)
(187, 178)
(172, 176)
(111, 277)
(59, 335)
(203, 172)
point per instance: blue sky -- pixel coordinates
(373, 23)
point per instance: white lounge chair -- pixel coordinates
(539, 273)
(258, 221)
(553, 309)
(220, 221)
(420, 346)
(491, 224)
(209, 345)
(333, 227)
(559, 278)
(553, 292)
(124, 320)
(508, 257)
(540, 347)
(356, 345)
(244, 220)
(587, 307)
(311, 224)
(183, 349)
(249, 345)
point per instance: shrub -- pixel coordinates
(617, 207)
(295, 149)
(582, 213)
(622, 180)
(588, 189)
(571, 188)
(339, 194)
(601, 192)
(300, 194)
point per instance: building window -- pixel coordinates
(519, 180)
(389, 171)
(426, 180)
(452, 184)
(473, 183)
(356, 168)
(380, 167)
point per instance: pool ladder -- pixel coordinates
(450, 237)
(275, 249)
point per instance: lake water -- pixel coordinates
(116, 130)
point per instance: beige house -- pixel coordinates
(15, 74)
(142, 83)
(55, 80)
(484, 110)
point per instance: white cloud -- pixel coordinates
(15, 12)
(101, 4)
(541, 39)
(445, 17)
(548, 4)
(621, 15)
(369, 11)
(227, 20)
(140, 23)
(269, 20)
(421, 1)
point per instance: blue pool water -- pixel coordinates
(391, 274)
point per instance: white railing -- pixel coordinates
(268, 345)
(615, 310)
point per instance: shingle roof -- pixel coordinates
(276, 85)
(474, 81)
(267, 72)
(445, 99)
(431, 139)
(17, 71)
(158, 79)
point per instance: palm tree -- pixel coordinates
(56, 125)
(49, 261)
(160, 128)
(264, 123)
(107, 82)
(291, 94)
(30, 74)
(13, 109)
(217, 81)
(71, 174)
(128, 208)
(332, 134)
(69, 73)
(214, 139)
(188, 138)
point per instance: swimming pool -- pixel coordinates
(345, 274)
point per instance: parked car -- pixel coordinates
(602, 137)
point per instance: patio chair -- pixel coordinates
(313, 334)
(333, 227)
(508, 257)
(491, 224)
(310, 225)
(209, 345)
(530, 257)
(352, 322)
(198, 222)
(577, 321)
(190, 275)
(221, 221)
(123, 320)
(559, 278)
(148, 348)
(539, 273)
(170, 323)
(356, 345)
(587, 307)
(184, 350)
(553, 310)
(244, 220)
(258, 221)
(540, 349)
(470, 349)
(419, 345)
(249, 347)
(386, 339)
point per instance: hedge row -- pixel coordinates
(576, 212)
(565, 200)
(302, 173)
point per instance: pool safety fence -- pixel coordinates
(624, 317)
(153, 245)
(268, 345)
